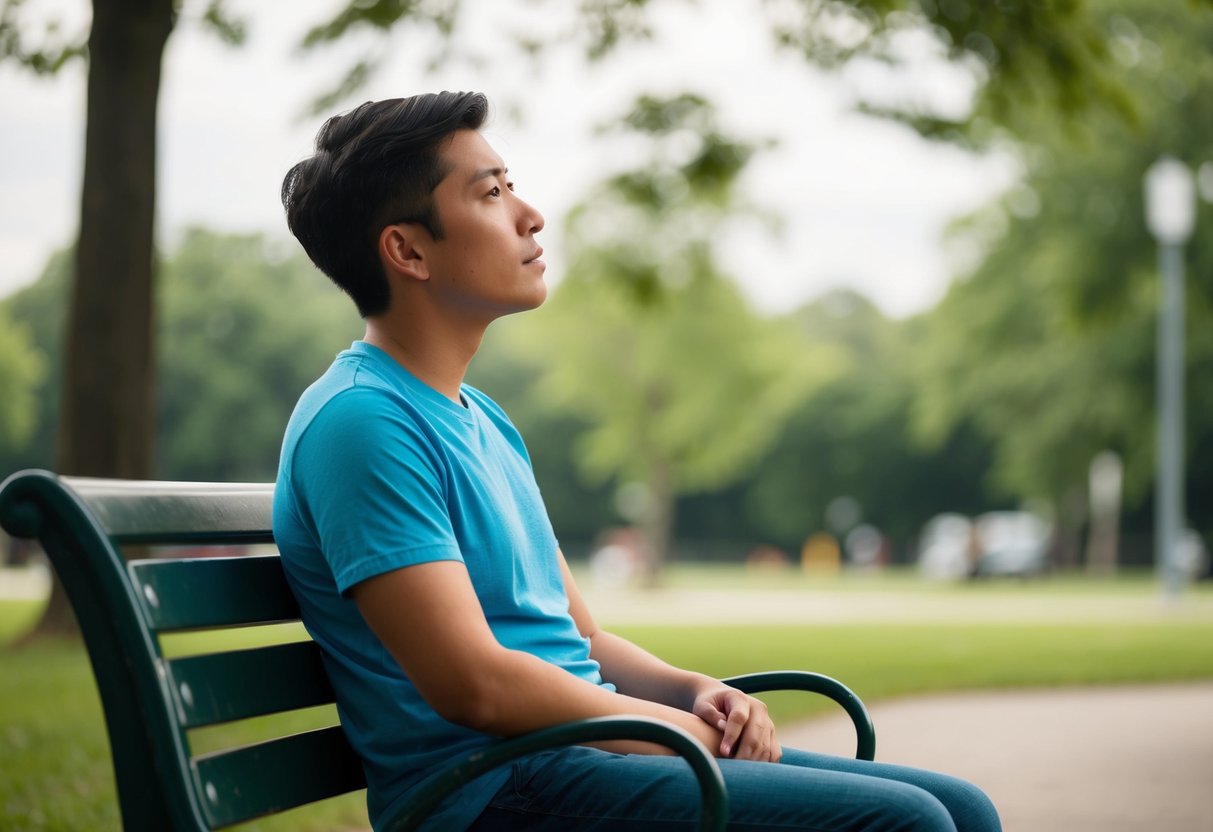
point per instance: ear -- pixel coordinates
(399, 253)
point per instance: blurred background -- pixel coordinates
(835, 284)
(862, 343)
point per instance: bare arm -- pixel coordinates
(429, 619)
(746, 729)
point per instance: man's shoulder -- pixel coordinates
(344, 393)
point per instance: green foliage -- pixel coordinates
(680, 385)
(382, 15)
(230, 30)
(21, 368)
(435, 17)
(242, 331)
(40, 310)
(609, 23)
(850, 437)
(1030, 60)
(692, 383)
(55, 50)
(1047, 347)
(1038, 58)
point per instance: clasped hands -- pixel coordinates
(748, 733)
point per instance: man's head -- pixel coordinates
(374, 166)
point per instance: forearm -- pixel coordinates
(745, 726)
(636, 672)
(521, 693)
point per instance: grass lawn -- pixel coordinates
(54, 759)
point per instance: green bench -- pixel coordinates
(151, 702)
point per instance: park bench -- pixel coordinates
(151, 702)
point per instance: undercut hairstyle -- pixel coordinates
(374, 166)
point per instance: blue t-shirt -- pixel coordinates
(378, 472)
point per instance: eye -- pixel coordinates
(495, 191)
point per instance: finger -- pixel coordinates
(709, 713)
(754, 744)
(732, 729)
(759, 742)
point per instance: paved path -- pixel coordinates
(1126, 759)
(1005, 603)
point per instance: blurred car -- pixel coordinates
(945, 547)
(1011, 543)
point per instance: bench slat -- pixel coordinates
(244, 783)
(223, 687)
(133, 512)
(213, 592)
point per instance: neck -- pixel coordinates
(440, 363)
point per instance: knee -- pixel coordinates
(970, 807)
(913, 810)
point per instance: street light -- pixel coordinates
(1170, 216)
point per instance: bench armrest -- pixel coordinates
(816, 683)
(714, 811)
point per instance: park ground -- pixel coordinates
(1077, 704)
(1115, 757)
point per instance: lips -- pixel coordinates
(538, 253)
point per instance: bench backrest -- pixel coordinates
(151, 701)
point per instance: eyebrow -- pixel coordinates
(485, 173)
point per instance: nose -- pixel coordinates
(530, 221)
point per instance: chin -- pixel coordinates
(535, 298)
(540, 295)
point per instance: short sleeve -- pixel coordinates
(372, 480)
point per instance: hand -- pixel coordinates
(748, 731)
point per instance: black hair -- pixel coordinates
(373, 166)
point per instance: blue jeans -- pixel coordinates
(587, 789)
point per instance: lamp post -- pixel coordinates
(1170, 215)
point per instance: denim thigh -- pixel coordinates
(587, 789)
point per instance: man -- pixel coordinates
(415, 537)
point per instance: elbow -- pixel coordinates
(472, 705)
(470, 710)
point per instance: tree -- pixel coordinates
(1047, 347)
(850, 438)
(1038, 57)
(106, 410)
(244, 328)
(681, 385)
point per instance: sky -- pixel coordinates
(863, 203)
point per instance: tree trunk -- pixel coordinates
(107, 417)
(658, 525)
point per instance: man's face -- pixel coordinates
(487, 263)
